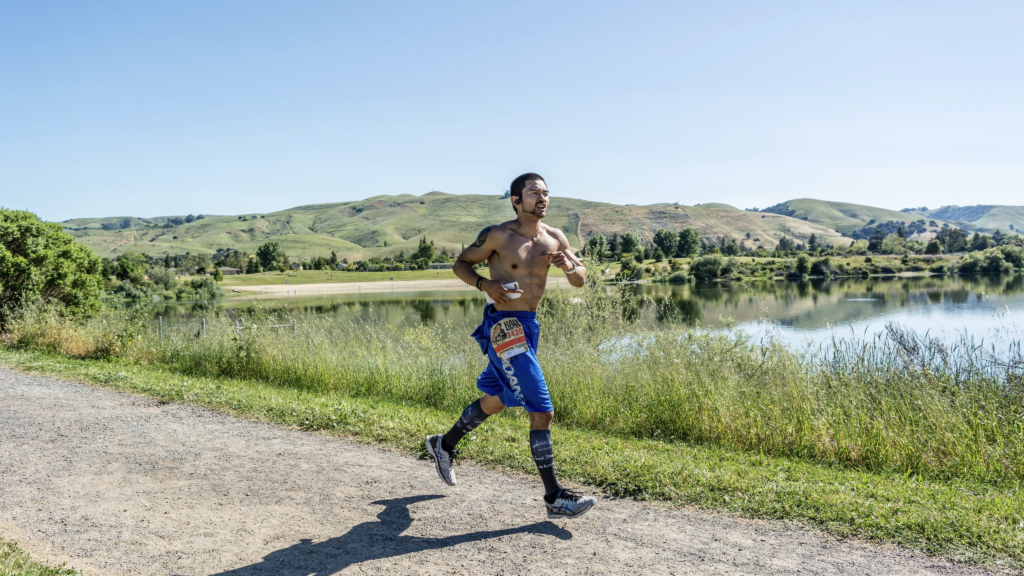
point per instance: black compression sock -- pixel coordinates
(540, 445)
(472, 417)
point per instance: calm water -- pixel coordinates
(799, 311)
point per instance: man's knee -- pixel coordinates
(541, 420)
(491, 405)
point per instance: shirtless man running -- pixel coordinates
(520, 250)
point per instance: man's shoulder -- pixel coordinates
(555, 233)
(493, 232)
(501, 229)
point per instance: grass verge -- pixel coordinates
(16, 562)
(962, 519)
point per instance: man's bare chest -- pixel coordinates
(525, 255)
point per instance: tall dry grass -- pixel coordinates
(895, 403)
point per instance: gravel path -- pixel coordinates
(118, 484)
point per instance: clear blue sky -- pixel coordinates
(158, 108)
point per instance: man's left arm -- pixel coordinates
(568, 262)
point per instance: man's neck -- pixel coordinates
(528, 224)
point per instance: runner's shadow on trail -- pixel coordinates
(373, 541)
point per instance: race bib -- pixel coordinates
(508, 338)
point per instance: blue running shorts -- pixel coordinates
(509, 339)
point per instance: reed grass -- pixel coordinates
(897, 403)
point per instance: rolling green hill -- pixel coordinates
(981, 218)
(846, 218)
(359, 229)
(840, 216)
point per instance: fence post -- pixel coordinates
(161, 330)
(293, 325)
(204, 327)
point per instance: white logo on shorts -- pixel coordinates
(513, 382)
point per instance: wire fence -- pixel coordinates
(200, 329)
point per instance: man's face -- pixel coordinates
(535, 199)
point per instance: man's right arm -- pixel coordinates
(486, 243)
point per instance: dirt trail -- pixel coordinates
(118, 484)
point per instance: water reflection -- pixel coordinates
(801, 307)
(426, 307)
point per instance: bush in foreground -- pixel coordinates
(42, 264)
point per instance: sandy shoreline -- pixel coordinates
(365, 287)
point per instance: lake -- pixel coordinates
(799, 311)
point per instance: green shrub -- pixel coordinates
(988, 262)
(42, 264)
(803, 265)
(1014, 255)
(679, 277)
(629, 270)
(823, 267)
(707, 267)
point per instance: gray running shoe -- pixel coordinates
(570, 504)
(442, 460)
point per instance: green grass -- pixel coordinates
(965, 520)
(16, 562)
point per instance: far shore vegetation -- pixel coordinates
(668, 256)
(901, 438)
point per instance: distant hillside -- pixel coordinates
(839, 216)
(981, 218)
(359, 229)
(124, 222)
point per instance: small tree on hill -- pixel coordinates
(218, 276)
(731, 248)
(613, 244)
(270, 255)
(689, 243)
(597, 247)
(425, 253)
(666, 241)
(630, 243)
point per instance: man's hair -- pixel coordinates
(519, 184)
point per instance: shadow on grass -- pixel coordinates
(373, 541)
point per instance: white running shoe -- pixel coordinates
(442, 460)
(569, 504)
